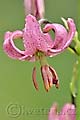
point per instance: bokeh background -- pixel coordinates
(18, 98)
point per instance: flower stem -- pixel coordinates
(78, 94)
(73, 84)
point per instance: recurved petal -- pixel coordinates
(68, 112)
(9, 47)
(71, 33)
(62, 38)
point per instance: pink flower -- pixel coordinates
(34, 7)
(38, 44)
(67, 113)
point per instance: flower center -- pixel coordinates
(41, 57)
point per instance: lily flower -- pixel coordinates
(68, 112)
(34, 7)
(38, 44)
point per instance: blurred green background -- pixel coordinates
(18, 98)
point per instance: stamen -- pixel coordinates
(49, 75)
(55, 77)
(34, 78)
(45, 78)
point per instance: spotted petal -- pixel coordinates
(34, 39)
(9, 46)
(63, 38)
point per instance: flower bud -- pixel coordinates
(34, 7)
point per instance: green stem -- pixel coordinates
(78, 94)
(73, 84)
